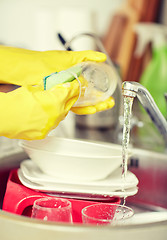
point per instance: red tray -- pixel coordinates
(19, 199)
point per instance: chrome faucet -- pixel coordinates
(134, 89)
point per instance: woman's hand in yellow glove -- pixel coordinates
(105, 105)
(25, 67)
(31, 113)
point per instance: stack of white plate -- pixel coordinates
(74, 167)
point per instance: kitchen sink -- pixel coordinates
(150, 168)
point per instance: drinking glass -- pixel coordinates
(106, 213)
(101, 81)
(52, 209)
(104, 76)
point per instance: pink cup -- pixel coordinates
(106, 213)
(52, 209)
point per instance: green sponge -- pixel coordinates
(61, 77)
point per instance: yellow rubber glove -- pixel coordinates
(25, 67)
(107, 104)
(30, 113)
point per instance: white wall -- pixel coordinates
(33, 24)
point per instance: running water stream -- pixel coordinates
(128, 102)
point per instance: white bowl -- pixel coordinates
(73, 159)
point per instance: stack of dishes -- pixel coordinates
(77, 168)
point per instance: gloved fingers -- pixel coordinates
(88, 55)
(84, 110)
(56, 103)
(62, 60)
(77, 87)
(105, 105)
(61, 94)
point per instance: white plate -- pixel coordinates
(114, 182)
(75, 189)
(67, 190)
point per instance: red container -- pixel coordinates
(19, 199)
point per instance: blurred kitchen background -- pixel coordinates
(35, 24)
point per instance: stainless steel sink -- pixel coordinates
(151, 170)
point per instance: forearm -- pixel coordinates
(20, 66)
(17, 109)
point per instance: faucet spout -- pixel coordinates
(134, 89)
